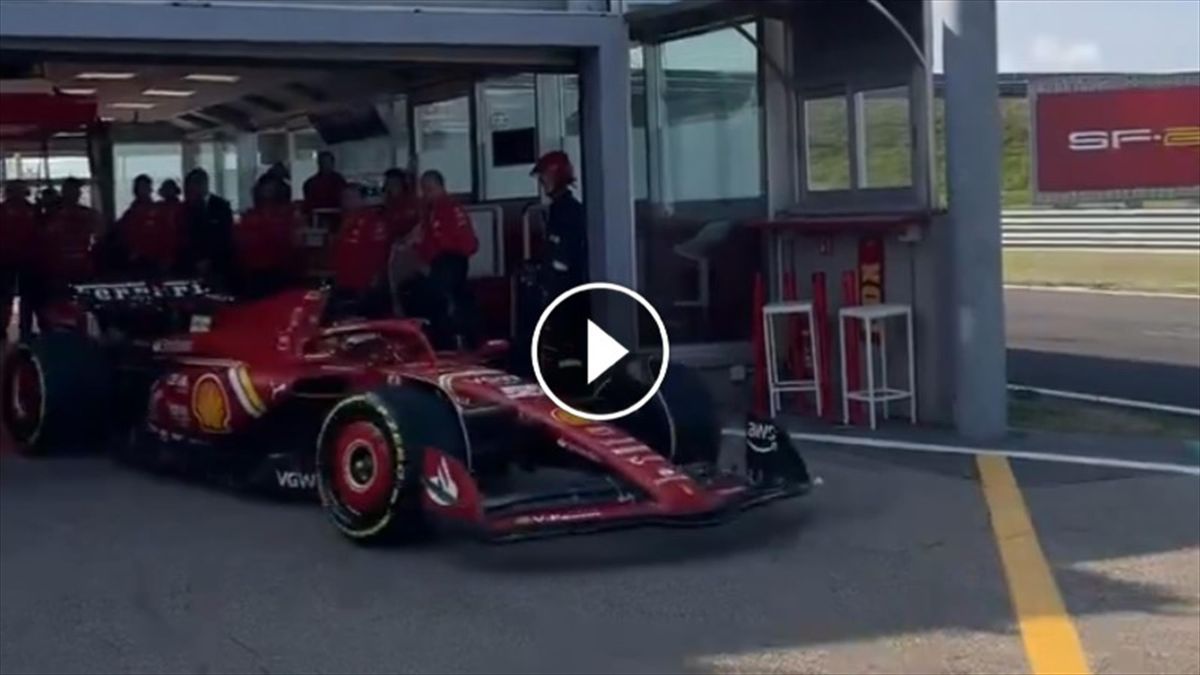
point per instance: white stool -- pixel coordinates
(884, 394)
(776, 384)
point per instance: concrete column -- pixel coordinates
(608, 170)
(974, 256)
(782, 141)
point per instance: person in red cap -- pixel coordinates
(324, 189)
(360, 257)
(566, 225)
(444, 246)
(18, 234)
(265, 241)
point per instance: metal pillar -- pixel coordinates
(973, 170)
(607, 172)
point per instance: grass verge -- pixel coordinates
(1043, 413)
(1150, 272)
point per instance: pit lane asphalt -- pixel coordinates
(1126, 346)
(890, 567)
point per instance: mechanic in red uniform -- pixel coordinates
(67, 241)
(265, 241)
(444, 246)
(401, 206)
(324, 189)
(360, 257)
(18, 235)
(149, 238)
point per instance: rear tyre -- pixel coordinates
(369, 456)
(680, 422)
(57, 389)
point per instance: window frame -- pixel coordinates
(860, 198)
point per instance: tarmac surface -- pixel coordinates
(1126, 346)
(891, 566)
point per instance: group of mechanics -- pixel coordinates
(408, 255)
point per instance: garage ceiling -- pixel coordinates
(194, 98)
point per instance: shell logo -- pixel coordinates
(210, 404)
(569, 419)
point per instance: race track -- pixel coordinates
(1134, 347)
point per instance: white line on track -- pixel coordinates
(866, 442)
(1108, 400)
(1100, 291)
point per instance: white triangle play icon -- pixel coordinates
(602, 352)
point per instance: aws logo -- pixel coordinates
(1116, 139)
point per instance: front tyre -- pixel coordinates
(680, 421)
(369, 453)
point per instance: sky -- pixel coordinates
(1039, 36)
(1094, 35)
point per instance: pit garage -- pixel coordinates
(716, 140)
(791, 139)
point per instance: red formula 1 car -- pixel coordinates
(393, 436)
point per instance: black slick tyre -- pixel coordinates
(680, 421)
(56, 390)
(369, 460)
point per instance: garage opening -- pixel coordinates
(479, 117)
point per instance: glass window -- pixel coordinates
(509, 120)
(827, 143)
(158, 160)
(444, 141)
(303, 162)
(712, 138)
(641, 161)
(693, 253)
(887, 138)
(227, 182)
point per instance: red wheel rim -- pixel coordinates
(25, 397)
(364, 472)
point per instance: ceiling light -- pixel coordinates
(105, 76)
(69, 134)
(77, 91)
(212, 77)
(169, 93)
(131, 105)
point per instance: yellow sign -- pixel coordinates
(210, 404)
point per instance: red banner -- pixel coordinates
(33, 116)
(1118, 139)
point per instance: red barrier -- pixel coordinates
(759, 347)
(850, 297)
(821, 321)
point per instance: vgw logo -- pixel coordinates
(1116, 139)
(296, 480)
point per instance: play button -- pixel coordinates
(602, 351)
(586, 366)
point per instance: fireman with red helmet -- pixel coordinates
(564, 264)
(566, 226)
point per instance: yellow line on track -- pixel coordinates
(1051, 642)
